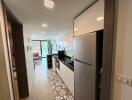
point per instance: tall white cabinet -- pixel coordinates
(91, 20)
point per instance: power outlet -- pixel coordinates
(124, 80)
(129, 82)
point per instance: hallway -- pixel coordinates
(41, 90)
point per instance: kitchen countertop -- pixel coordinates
(66, 61)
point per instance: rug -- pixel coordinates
(60, 90)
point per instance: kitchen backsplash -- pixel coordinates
(62, 45)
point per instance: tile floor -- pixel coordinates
(47, 85)
(59, 89)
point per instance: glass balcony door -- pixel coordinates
(44, 48)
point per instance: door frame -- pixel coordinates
(21, 69)
(108, 49)
(11, 73)
(109, 35)
(4, 8)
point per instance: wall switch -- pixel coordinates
(124, 80)
(118, 78)
(129, 82)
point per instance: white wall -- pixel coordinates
(69, 44)
(29, 55)
(123, 52)
(6, 92)
(66, 41)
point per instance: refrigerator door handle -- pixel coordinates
(83, 62)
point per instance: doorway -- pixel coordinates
(41, 47)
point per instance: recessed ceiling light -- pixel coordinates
(100, 18)
(49, 4)
(44, 25)
(43, 32)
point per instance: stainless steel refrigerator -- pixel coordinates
(88, 63)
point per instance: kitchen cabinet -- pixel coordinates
(53, 62)
(90, 20)
(49, 61)
(67, 76)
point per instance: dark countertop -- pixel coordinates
(66, 61)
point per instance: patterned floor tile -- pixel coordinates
(59, 89)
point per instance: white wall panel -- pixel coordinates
(91, 20)
(123, 50)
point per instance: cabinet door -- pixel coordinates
(67, 76)
(53, 62)
(91, 20)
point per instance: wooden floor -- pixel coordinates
(41, 89)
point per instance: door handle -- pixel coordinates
(15, 75)
(14, 69)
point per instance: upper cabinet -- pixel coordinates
(91, 20)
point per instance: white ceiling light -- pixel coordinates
(44, 25)
(100, 18)
(49, 4)
(43, 32)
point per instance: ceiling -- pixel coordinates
(59, 20)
